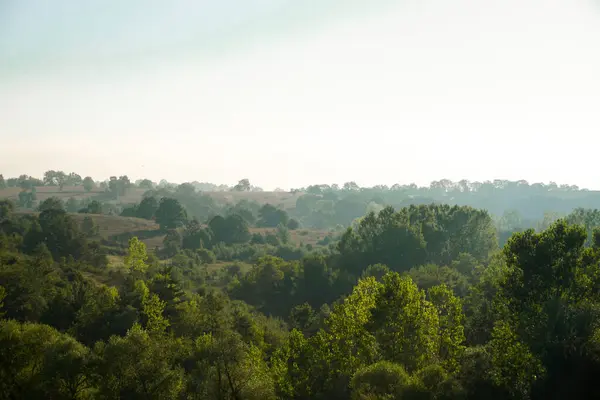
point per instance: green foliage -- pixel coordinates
(93, 207)
(417, 235)
(7, 209)
(170, 214)
(89, 227)
(26, 199)
(172, 242)
(52, 203)
(451, 330)
(283, 234)
(88, 184)
(36, 361)
(271, 216)
(406, 325)
(118, 186)
(302, 317)
(147, 208)
(153, 309)
(414, 304)
(293, 224)
(59, 232)
(195, 237)
(229, 230)
(136, 257)
(154, 374)
(229, 368)
(2, 297)
(382, 381)
(514, 367)
(206, 256)
(430, 275)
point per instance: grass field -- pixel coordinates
(110, 225)
(44, 192)
(120, 229)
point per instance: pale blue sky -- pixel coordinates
(291, 93)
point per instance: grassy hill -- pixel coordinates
(118, 230)
(44, 192)
(285, 200)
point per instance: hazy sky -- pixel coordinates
(289, 93)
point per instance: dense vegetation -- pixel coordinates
(514, 205)
(455, 291)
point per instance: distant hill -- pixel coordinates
(134, 195)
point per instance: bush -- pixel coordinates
(257, 238)
(272, 239)
(325, 241)
(206, 256)
(289, 253)
(293, 224)
(380, 380)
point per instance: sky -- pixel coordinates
(290, 93)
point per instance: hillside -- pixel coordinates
(285, 200)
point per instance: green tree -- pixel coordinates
(293, 224)
(195, 237)
(206, 256)
(155, 374)
(347, 345)
(270, 216)
(514, 367)
(73, 179)
(61, 234)
(451, 330)
(96, 318)
(153, 311)
(302, 317)
(147, 208)
(94, 207)
(72, 205)
(170, 214)
(242, 186)
(146, 184)
(283, 234)
(7, 209)
(172, 242)
(228, 368)
(89, 227)
(382, 381)
(52, 203)
(88, 184)
(405, 324)
(136, 257)
(61, 180)
(230, 230)
(36, 361)
(25, 199)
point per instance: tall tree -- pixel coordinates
(170, 214)
(88, 184)
(147, 208)
(136, 257)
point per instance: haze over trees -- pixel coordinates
(406, 292)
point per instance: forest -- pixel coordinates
(142, 290)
